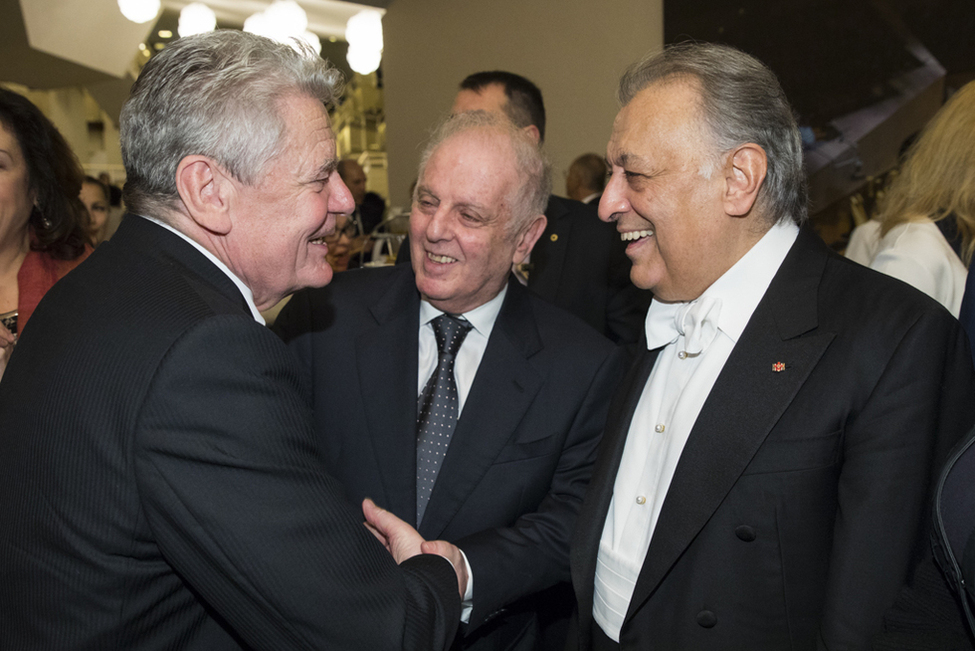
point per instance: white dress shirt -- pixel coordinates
(468, 358)
(697, 339)
(244, 289)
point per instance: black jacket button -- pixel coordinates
(746, 533)
(706, 618)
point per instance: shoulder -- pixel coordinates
(345, 301)
(566, 333)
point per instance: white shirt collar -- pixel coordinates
(590, 197)
(244, 289)
(741, 288)
(482, 317)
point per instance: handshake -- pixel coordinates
(402, 541)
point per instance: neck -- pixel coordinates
(13, 250)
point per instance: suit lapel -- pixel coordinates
(748, 398)
(548, 256)
(592, 515)
(386, 358)
(504, 387)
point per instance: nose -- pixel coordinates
(614, 201)
(340, 200)
(438, 225)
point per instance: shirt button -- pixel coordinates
(641, 499)
(659, 428)
(682, 354)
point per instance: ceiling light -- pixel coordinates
(196, 18)
(139, 11)
(363, 60)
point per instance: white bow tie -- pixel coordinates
(697, 321)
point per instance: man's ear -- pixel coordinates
(204, 188)
(528, 238)
(744, 174)
(533, 133)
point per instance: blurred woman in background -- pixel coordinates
(94, 195)
(927, 232)
(42, 222)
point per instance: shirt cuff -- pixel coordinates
(467, 605)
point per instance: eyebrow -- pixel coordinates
(326, 168)
(627, 158)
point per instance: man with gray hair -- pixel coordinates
(161, 485)
(451, 394)
(763, 480)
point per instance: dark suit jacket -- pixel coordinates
(579, 263)
(520, 458)
(800, 501)
(161, 486)
(967, 315)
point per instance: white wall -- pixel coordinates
(574, 50)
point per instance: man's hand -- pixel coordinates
(403, 541)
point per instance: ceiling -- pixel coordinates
(56, 43)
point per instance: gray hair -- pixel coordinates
(741, 102)
(215, 95)
(531, 198)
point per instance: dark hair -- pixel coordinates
(590, 169)
(54, 175)
(741, 101)
(91, 180)
(524, 107)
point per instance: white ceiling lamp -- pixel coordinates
(196, 18)
(139, 11)
(364, 33)
(286, 17)
(283, 21)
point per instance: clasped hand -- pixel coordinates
(402, 541)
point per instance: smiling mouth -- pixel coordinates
(440, 259)
(632, 236)
(318, 240)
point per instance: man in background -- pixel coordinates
(586, 178)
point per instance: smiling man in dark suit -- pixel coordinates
(764, 477)
(487, 443)
(161, 486)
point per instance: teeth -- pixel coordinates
(318, 240)
(635, 235)
(441, 258)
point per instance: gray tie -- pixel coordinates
(437, 409)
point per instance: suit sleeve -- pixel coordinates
(921, 405)
(533, 554)
(231, 481)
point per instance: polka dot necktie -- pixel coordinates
(437, 409)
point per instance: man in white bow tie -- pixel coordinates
(764, 473)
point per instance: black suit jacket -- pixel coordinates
(579, 263)
(520, 458)
(161, 485)
(798, 506)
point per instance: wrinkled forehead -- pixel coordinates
(666, 111)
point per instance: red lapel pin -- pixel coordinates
(778, 367)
